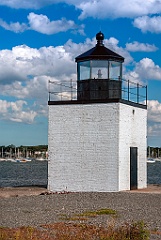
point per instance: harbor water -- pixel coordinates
(34, 173)
(14, 174)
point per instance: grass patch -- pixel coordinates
(66, 231)
(105, 211)
(65, 217)
(87, 214)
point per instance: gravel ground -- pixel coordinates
(35, 210)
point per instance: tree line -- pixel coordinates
(23, 150)
(154, 152)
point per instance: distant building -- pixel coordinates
(97, 142)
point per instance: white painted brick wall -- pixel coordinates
(84, 147)
(132, 133)
(83, 143)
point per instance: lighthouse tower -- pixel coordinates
(97, 142)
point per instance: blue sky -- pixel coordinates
(39, 41)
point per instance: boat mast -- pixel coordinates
(149, 151)
(2, 152)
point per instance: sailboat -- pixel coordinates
(150, 159)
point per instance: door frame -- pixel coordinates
(133, 168)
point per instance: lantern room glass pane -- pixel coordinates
(114, 70)
(84, 70)
(99, 69)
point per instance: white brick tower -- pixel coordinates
(97, 142)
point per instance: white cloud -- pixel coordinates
(28, 4)
(13, 63)
(42, 24)
(95, 8)
(154, 111)
(116, 9)
(15, 111)
(24, 75)
(151, 24)
(154, 118)
(34, 4)
(23, 65)
(112, 43)
(14, 27)
(23, 61)
(154, 130)
(140, 47)
(25, 71)
(23, 116)
(133, 76)
(145, 69)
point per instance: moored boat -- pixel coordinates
(23, 160)
(150, 160)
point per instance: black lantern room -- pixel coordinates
(99, 73)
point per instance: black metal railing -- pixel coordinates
(134, 92)
(67, 91)
(64, 90)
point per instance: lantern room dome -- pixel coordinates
(100, 36)
(99, 52)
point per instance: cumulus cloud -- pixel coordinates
(42, 24)
(145, 69)
(111, 43)
(25, 71)
(13, 63)
(95, 8)
(140, 47)
(23, 62)
(117, 9)
(36, 4)
(14, 27)
(148, 24)
(133, 76)
(28, 4)
(154, 130)
(24, 75)
(154, 111)
(16, 111)
(154, 118)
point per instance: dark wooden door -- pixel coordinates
(133, 167)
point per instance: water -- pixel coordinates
(14, 174)
(154, 173)
(34, 173)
